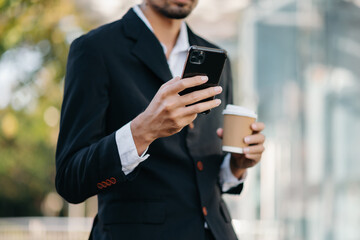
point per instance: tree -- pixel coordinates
(35, 38)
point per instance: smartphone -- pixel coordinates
(204, 61)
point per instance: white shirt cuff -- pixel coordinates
(227, 179)
(129, 157)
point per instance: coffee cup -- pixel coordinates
(237, 125)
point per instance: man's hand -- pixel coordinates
(168, 112)
(252, 154)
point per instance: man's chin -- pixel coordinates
(175, 9)
(177, 12)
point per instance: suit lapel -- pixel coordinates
(150, 52)
(193, 39)
(147, 47)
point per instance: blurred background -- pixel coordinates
(297, 63)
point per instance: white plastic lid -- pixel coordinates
(240, 111)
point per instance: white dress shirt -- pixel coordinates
(125, 143)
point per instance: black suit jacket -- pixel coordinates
(113, 73)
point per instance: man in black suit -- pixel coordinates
(127, 136)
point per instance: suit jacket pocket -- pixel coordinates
(151, 212)
(224, 212)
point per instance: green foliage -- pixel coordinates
(28, 131)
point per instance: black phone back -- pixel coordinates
(204, 61)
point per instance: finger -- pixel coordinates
(199, 95)
(220, 132)
(254, 157)
(191, 125)
(201, 107)
(172, 81)
(168, 85)
(177, 85)
(255, 139)
(258, 126)
(257, 149)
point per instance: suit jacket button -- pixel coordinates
(204, 210)
(200, 165)
(113, 180)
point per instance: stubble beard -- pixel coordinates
(179, 11)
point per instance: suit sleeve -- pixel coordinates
(230, 100)
(87, 160)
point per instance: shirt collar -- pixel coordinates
(182, 43)
(141, 15)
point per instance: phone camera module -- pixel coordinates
(197, 57)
